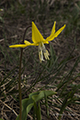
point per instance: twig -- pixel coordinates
(9, 107)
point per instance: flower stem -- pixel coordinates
(20, 93)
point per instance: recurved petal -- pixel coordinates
(52, 32)
(18, 45)
(53, 28)
(36, 35)
(56, 34)
(29, 44)
(26, 42)
(59, 31)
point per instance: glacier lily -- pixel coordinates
(39, 41)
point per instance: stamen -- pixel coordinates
(41, 56)
(42, 50)
(46, 55)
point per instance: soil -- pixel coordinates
(13, 30)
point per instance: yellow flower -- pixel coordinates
(39, 41)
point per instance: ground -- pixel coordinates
(15, 17)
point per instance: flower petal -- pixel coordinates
(36, 35)
(18, 45)
(30, 44)
(53, 28)
(52, 32)
(26, 43)
(50, 38)
(59, 31)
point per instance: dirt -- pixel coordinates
(13, 29)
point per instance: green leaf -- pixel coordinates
(38, 113)
(49, 93)
(32, 94)
(36, 97)
(27, 104)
